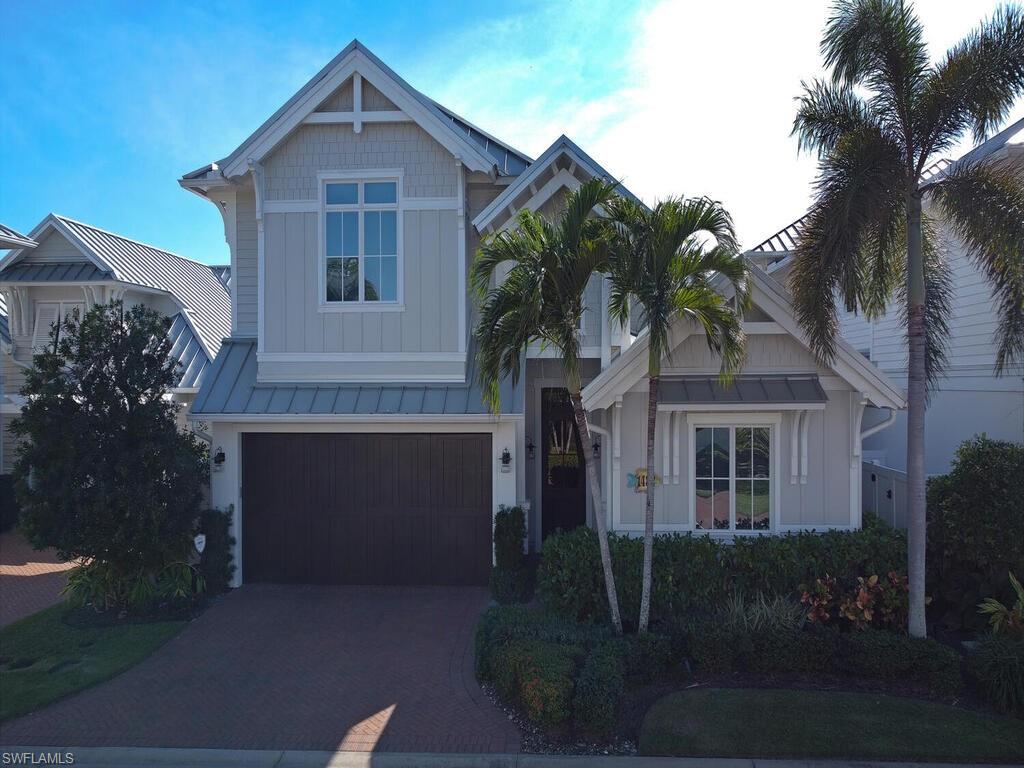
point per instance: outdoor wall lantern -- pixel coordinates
(218, 459)
(506, 460)
(531, 450)
(597, 449)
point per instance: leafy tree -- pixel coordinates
(541, 300)
(877, 125)
(668, 261)
(103, 474)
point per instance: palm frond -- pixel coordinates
(826, 113)
(975, 85)
(983, 204)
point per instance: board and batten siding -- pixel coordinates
(245, 271)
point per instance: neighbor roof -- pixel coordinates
(11, 238)
(231, 391)
(479, 150)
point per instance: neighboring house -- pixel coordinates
(73, 266)
(349, 431)
(970, 399)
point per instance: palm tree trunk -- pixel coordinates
(652, 420)
(583, 425)
(916, 393)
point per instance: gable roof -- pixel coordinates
(476, 149)
(776, 248)
(192, 284)
(630, 367)
(562, 147)
(11, 238)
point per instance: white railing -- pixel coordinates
(884, 492)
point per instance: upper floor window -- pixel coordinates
(361, 239)
(48, 314)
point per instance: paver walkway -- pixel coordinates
(30, 580)
(298, 668)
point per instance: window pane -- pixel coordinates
(371, 284)
(761, 504)
(341, 276)
(762, 451)
(371, 233)
(703, 505)
(342, 194)
(743, 447)
(720, 445)
(744, 491)
(721, 503)
(350, 234)
(389, 232)
(352, 279)
(389, 278)
(380, 192)
(334, 238)
(702, 448)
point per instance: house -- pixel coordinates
(970, 399)
(349, 431)
(65, 267)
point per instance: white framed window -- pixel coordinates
(49, 313)
(734, 472)
(361, 241)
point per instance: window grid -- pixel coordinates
(732, 477)
(361, 221)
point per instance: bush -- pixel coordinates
(998, 667)
(888, 656)
(512, 577)
(693, 575)
(975, 531)
(216, 563)
(8, 503)
(538, 675)
(647, 656)
(599, 688)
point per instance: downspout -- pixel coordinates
(887, 422)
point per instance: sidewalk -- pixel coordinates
(135, 757)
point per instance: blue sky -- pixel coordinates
(107, 104)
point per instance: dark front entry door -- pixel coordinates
(366, 508)
(563, 480)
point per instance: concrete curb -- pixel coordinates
(145, 757)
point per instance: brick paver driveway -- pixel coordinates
(30, 579)
(318, 668)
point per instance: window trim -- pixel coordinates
(360, 176)
(733, 420)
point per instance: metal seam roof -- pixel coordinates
(743, 389)
(230, 387)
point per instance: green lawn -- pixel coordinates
(816, 724)
(43, 659)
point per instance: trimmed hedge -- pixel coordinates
(512, 577)
(695, 574)
(599, 688)
(8, 504)
(889, 656)
(538, 675)
(975, 531)
(998, 667)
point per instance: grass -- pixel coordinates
(818, 724)
(43, 658)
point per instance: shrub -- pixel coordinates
(998, 667)
(871, 601)
(8, 504)
(538, 675)
(889, 656)
(216, 563)
(512, 577)
(975, 531)
(1003, 620)
(599, 688)
(102, 472)
(647, 656)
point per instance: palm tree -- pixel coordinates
(670, 259)
(541, 300)
(877, 125)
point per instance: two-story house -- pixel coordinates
(349, 431)
(65, 267)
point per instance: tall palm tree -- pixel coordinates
(669, 260)
(877, 125)
(541, 300)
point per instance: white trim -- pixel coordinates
(355, 306)
(291, 206)
(360, 357)
(363, 116)
(408, 204)
(460, 217)
(739, 407)
(551, 352)
(256, 170)
(754, 328)
(562, 179)
(343, 377)
(804, 425)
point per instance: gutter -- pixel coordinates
(885, 423)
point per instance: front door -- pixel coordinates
(563, 480)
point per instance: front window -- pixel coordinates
(732, 478)
(361, 241)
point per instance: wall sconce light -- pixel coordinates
(597, 449)
(531, 450)
(218, 459)
(506, 460)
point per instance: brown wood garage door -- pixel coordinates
(366, 508)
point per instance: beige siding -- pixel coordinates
(53, 247)
(339, 101)
(245, 272)
(766, 353)
(374, 100)
(291, 170)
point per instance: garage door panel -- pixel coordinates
(367, 508)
